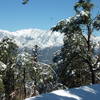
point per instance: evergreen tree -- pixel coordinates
(78, 63)
(8, 52)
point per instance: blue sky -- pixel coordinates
(42, 14)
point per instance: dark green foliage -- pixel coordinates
(78, 60)
(25, 2)
(84, 4)
(96, 23)
(8, 52)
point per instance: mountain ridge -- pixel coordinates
(47, 41)
(44, 38)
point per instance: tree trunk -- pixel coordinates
(8, 81)
(24, 82)
(89, 28)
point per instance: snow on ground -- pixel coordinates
(83, 93)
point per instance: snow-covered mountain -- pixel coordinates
(83, 93)
(31, 37)
(47, 41)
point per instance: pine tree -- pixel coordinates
(8, 52)
(78, 60)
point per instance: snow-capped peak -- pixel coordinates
(31, 37)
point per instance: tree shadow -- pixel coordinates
(87, 92)
(82, 93)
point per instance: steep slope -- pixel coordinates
(83, 93)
